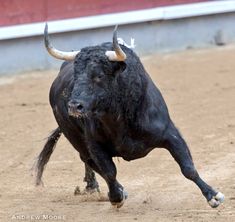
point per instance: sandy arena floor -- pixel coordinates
(199, 88)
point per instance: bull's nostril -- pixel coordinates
(79, 107)
(75, 106)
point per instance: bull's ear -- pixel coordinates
(119, 67)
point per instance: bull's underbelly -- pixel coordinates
(129, 149)
(113, 141)
(133, 148)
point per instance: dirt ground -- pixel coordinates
(199, 88)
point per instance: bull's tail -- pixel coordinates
(45, 154)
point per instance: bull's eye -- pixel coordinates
(98, 78)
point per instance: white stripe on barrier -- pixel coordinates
(130, 17)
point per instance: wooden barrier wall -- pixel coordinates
(13, 12)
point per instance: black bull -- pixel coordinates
(107, 106)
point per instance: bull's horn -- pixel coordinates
(116, 55)
(68, 56)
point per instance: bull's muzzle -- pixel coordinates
(76, 108)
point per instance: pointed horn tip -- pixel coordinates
(115, 28)
(46, 28)
(46, 37)
(115, 42)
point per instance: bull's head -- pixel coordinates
(95, 75)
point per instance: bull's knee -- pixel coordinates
(189, 172)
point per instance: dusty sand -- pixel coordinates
(199, 88)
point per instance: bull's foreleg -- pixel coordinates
(103, 164)
(179, 150)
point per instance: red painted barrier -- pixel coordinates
(14, 12)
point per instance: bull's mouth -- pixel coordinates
(85, 114)
(77, 115)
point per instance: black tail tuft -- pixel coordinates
(45, 154)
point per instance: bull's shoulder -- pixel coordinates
(63, 83)
(65, 64)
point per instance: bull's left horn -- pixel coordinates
(68, 56)
(116, 55)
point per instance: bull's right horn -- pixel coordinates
(118, 54)
(68, 56)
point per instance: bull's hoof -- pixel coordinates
(86, 191)
(216, 200)
(120, 204)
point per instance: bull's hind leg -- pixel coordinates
(92, 185)
(103, 164)
(179, 150)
